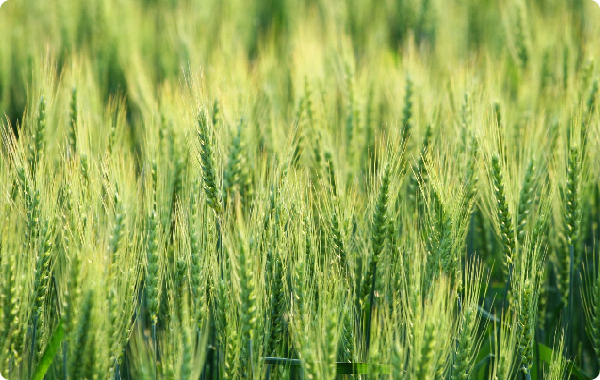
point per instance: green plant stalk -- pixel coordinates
(155, 345)
(33, 341)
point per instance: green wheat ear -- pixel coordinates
(572, 221)
(181, 270)
(37, 149)
(278, 305)
(119, 228)
(216, 113)
(196, 284)
(379, 217)
(461, 366)
(231, 361)
(420, 170)
(591, 302)
(152, 283)
(572, 216)
(249, 310)
(525, 200)
(592, 97)
(346, 344)
(331, 172)
(526, 326)
(507, 233)
(232, 173)
(407, 111)
(338, 243)
(587, 117)
(72, 130)
(41, 285)
(82, 337)
(352, 112)
(378, 234)
(522, 51)
(471, 178)
(426, 355)
(208, 167)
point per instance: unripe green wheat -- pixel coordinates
(593, 315)
(545, 75)
(419, 174)
(231, 174)
(82, 338)
(572, 219)
(378, 234)
(72, 295)
(522, 51)
(497, 114)
(463, 358)
(180, 287)
(248, 310)
(216, 113)
(426, 354)
(465, 117)
(231, 360)
(331, 171)
(351, 111)
(41, 286)
(152, 285)
(196, 288)
(407, 111)
(331, 341)
(185, 372)
(208, 169)
(379, 216)
(299, 297)
(278, 305)
(338, 243)
(525, 200)
(72, 130)
(298, 144)
(37, 150)
(572, 214)
(119, 228)
(471, 178)
(309, 102)
(526, 326)
(507, 233)
(178, 179)
(346, 345)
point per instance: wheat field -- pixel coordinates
(299, 189)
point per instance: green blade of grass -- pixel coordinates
(49, 352)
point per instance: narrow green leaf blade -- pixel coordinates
(50, 352)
